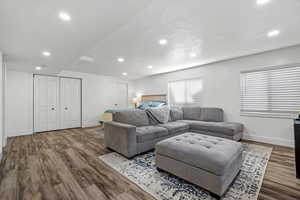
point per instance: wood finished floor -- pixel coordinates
(64, 165)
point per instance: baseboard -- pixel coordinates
(90, 124)
(270, 140)
(20, 133)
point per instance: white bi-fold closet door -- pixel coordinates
(46, 103)
(70, 103)
(57, 103)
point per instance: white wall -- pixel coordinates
(19, 103)
(222, 89)
(97, 96)
(1, 105)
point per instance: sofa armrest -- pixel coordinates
(121, 138)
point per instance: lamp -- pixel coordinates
(135, 101)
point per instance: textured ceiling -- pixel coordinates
(105, 30)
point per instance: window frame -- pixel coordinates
(185, 95)
(266, 114)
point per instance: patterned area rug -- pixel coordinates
(164, 186)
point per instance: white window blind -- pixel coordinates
(274, 91)
(185, 92)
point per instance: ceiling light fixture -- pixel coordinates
(163, 41)
(124, 74)
(46, 53)
(87, 59)
(262, 2)
(64, 16)
(149, 66)
(121, 60)
(38, 68)
(193, 55)
(273, 33)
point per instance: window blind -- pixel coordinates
(185, 92)
(274, 90)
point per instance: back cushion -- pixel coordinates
(212, 114)
(192, 113)
(176, 113)
(132, 117)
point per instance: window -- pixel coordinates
(273, 92)
(185, 92)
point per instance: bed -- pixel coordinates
(146, 101)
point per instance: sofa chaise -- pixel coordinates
(133, 132)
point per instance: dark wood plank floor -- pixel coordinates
(64, 165)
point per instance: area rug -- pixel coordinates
(163, 186)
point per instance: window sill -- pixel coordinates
(269, 115)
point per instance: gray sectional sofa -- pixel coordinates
(134, 132)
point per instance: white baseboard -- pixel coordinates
(19, 133)
(270, 140)
(86, 124)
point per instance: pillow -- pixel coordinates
(144, 105)
(176, 113)
(192, 113)
(157, 103)
(212, 114)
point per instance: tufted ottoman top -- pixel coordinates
(209, 153)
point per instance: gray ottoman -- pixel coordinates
(209, 162)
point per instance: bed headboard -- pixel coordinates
(154, 97)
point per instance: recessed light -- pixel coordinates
(262, 2)
(124, 74)
(193, 55)
(87, 59)
(46, 53)
(64, 16)
(163, 41)
(121, 59)
(38, 68)
(273, 33)
(149, 66)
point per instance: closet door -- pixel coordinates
(121, 95)
(70, 98)
(53, 103)
(46, 103)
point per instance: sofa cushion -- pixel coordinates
(149, 133)
(176, 113)
(229, 128)
(193, 113)
(212, 114)
(175, 127)
(209, 153)
(133, 117)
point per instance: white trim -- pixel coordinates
(91, 123)
(273, 67)
(20, 133)
(269, 140)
